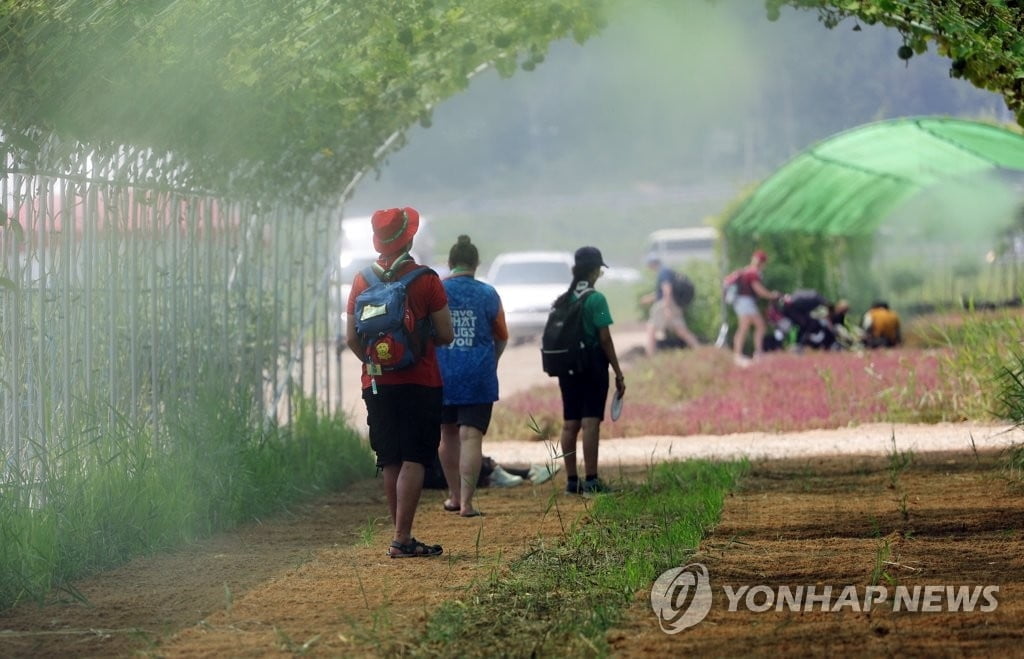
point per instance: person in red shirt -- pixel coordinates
(403, 407)
(748, 314)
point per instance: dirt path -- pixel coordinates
(868, 439)
(946, 520)
(317, 578)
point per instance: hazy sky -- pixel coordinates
(676, 98)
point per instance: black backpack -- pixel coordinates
(562, 351)
(683, 289)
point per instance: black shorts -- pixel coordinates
(477, 416)
(405, 423)
(585, 395)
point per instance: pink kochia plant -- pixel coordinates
(702, 393)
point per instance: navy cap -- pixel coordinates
(589, 257)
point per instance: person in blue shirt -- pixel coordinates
(469, 369)
(665, 313)
(584, 395)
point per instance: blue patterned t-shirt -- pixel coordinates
(468, 363)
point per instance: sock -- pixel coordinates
(591, 477)
(573, 479)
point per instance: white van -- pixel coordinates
(677, 246)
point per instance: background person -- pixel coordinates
(665, 315)
(810, 313)
(493, 474)
(469, 368)
(837, 314)
(747, 312)
(881, 326)
(404, 411)
(584, 395)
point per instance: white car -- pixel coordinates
(528, 283)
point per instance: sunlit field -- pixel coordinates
(702, 392)
(956, 367)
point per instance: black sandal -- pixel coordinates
(413, 549)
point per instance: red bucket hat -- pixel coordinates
(393, 229)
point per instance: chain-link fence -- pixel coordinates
(139, 311)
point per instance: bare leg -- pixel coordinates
(449, 452)
(741, 336)
(403, 484)
(391, 489)
(759, 330)
(471, 441)
(569, 431)
(591, 436)
(652, 344)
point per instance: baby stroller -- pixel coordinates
(802, 319)
(780, 330)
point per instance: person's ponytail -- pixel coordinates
(578, 275)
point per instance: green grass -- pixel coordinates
(1011, 403)
(983, 359)
(122, 492)
(560, 598)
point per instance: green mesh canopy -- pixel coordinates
(849, 183)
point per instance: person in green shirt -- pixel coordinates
(584, 395)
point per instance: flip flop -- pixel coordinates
(475, 513)
(451, 508)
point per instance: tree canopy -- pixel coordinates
(292, 101)
(256, 98)
(984, 39)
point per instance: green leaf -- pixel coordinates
(243, 96)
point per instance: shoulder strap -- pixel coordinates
(370, 275)
(413, 274)
(578, 300)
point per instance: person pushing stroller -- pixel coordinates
(813, 319)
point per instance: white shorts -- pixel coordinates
(746, 305)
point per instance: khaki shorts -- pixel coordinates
(664, 316)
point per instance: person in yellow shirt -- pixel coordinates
(881, 326)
